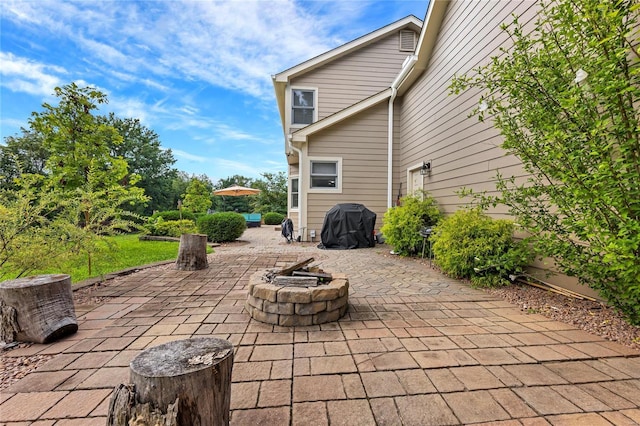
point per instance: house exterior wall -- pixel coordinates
(435, 125)
(360, 142)
(357, 76)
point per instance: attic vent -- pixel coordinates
(407, 41)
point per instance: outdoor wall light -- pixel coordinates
(426, 168)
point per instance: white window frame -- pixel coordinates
(338, 187)
(291, 207)
(290, 105)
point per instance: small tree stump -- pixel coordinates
(192, 255)
(37, 309)
(184, 382)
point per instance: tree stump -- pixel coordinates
(192, 255)
(37, 309)
(184, 382)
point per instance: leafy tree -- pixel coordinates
(94, 185)
(33, 233)
(77, 142)
(229, 203)
(197, 198)
(21, 154)
(565, 99)
(140, 147)
(98, 210)
(273, 193)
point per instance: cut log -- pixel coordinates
(321, 276)
(288, 270)
(295, 281)
(184, 382)
(37, 309)
(192, 254)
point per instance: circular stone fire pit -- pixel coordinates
(290, 306)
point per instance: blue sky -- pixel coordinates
(196, 72)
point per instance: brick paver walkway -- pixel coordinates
(415, 348)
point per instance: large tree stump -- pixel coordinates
(37, 309)
(184, 382)
(192, 255)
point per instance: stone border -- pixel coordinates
(297, 306)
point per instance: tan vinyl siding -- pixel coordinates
(361, 142)
(357, 76)
(435, 125)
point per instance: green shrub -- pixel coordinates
(221, 227)
(273, 218)
(470, 244)
(174, 228)
(402, 223)
(173, 215)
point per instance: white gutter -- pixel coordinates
(406, 67)
(301, 226)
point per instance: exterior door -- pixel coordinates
(415, 182)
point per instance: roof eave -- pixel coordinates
(286, 75)
(426, 42)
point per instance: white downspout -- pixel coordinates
(406, 67)
(301, 225)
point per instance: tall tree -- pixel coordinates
(273, 193)
(83, 168)
(77, 141)
(141, 148)
(565, 97)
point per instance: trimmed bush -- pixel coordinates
(222, 227)
(173, 215)
(470, 244)
(273, 218)
(170, 228)
(402, 224)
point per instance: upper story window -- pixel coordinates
(324, 174)
(303, 106)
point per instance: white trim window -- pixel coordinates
(295, 193)
(303, 106)
(325, 174)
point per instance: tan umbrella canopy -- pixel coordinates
(236, 191)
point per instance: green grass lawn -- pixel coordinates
(129, 251)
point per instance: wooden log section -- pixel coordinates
(295, 281)
(184, 382)
(37, 309)
(192, 254)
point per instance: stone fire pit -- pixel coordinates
(291, 306)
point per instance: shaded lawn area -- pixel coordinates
(126, 251)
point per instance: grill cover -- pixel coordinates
(348, 226)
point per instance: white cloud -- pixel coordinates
(232, 44)
(187, 156)
(24, 75)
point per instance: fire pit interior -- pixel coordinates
(297, 295)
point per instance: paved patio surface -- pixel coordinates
(415, 348)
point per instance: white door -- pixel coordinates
(415, 182)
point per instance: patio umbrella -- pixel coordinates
(236, 191)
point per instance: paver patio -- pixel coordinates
(415, 348)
